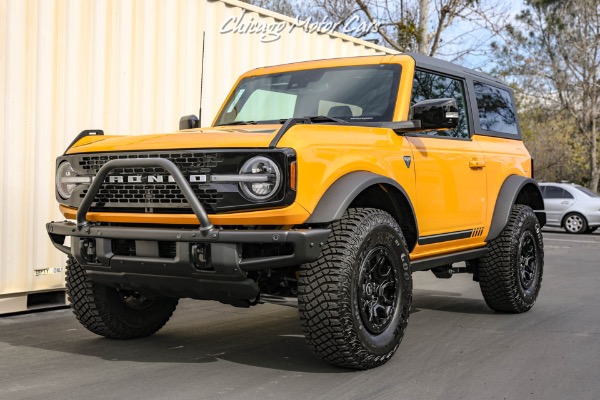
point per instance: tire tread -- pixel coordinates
(325, 311)
(498, 278)
(92, 306)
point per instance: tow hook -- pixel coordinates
(199, 257)
(88, 250)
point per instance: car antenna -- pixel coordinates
(201, 80)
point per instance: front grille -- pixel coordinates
(155, 195)
(149, 190)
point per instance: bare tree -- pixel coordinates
(553, 52)
(451, 29)
(407, 25)
(422, 38)
(285, 7)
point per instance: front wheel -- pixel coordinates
(113, 313)
(354, 301)
(510, 275)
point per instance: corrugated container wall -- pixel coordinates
(127, 67)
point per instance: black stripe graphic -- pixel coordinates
(445, 237)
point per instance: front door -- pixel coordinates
(450, 173)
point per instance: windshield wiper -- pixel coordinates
(238, 123)
(323, 118)
(288, 123)
(316, 119)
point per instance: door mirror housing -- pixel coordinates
(189, 122)
(436, 114)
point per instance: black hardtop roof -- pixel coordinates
(425, 62)
(436, 64)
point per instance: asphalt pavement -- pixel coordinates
(454, 348)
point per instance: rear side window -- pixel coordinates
(496, 109)
(554, 192)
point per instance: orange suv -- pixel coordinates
(325, 184)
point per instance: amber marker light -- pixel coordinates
(293, 176)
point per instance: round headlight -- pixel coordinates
(261, 178)
(64, 181)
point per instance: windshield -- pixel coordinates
(588, 191)
(365, 93)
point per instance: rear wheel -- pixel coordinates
(510, 275)
(354, 301)
(575, 223)
(113, 313)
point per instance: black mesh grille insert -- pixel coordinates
(151, 187)
(187, 162)
(152, 195)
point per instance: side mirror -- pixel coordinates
(188, 122)
(436, 114)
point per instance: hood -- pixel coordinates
(244, 136)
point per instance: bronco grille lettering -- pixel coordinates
(152, 179)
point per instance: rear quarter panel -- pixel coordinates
(504, 157)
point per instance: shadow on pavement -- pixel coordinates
(203, 333)
(193, 336)
(448, 301)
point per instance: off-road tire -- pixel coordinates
(575, 223)
(102, 309)
(510, 275)
(365, 254)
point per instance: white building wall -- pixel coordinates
(124, 66)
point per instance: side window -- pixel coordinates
(432, 86)
(554, 192)
(567, 195)
(496, 109)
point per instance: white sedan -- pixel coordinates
(572, 207)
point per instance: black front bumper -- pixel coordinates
(203, 263)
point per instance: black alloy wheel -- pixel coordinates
(377, 287)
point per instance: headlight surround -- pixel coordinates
(63, 187)
(67, 180)
(261, 178)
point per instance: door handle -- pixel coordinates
(476, 164)
(565, 202)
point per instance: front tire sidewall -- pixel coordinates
(135, 318)
(388, 340)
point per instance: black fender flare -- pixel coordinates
(516, 189)
(338, 197)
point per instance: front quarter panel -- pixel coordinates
(325, 153)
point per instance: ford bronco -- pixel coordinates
(324, 183)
